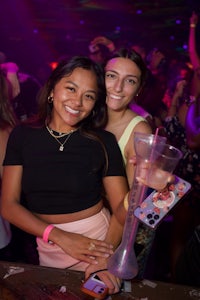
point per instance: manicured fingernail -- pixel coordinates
(106, 255)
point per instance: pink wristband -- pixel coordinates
(46, 233)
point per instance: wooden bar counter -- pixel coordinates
(27, 282)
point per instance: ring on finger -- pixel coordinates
(91, 246)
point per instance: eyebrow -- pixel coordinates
(73, 83)
(128, 75)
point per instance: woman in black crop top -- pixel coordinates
(62, 161)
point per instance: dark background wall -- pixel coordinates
(36, 31)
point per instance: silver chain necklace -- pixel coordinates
(60, 135)
(61, 148)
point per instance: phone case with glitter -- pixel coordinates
(158, 204)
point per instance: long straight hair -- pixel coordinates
(7, 115)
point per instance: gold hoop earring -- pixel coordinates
(50, 99)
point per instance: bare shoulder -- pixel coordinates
(143, 127)
(142, 124)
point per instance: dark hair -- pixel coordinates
(98, 116)
(135, 57)
(7, 115)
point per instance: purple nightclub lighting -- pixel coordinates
(185, 46)
(139, 12)
(178, 22)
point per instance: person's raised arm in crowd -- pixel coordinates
(11, 69)
(193, 115)
(176, 107)
(100, 49)
(192, 49)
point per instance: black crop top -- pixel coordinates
(56, 182)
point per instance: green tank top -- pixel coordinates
(127, 132)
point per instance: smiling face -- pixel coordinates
(74, 97)
(123, 80)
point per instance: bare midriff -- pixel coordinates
(71, 217)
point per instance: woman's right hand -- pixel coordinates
(80, 247)
(102, 40)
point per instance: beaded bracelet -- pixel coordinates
(46, 233)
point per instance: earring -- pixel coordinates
(50, 99)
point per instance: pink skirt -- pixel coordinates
(95, 227)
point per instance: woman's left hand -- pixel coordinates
(111, 281)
